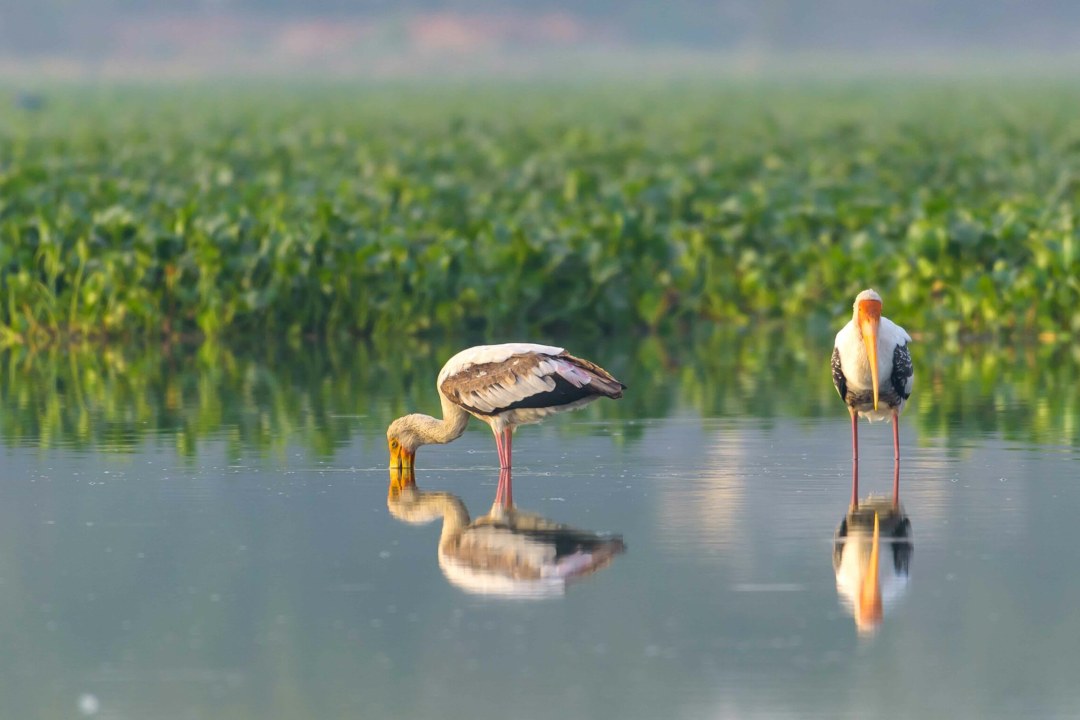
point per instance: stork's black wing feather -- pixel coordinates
(838, 378)
(902, 371)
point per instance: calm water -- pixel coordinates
(208, 537)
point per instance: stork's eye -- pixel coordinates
(393, 444)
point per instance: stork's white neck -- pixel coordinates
(423, 507)
(432, 431)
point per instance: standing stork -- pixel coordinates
(505, 386)
(870, 347)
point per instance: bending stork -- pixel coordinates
(507, 552)
(505, 386)
(868, 348)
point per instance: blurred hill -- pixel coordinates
(382, 38)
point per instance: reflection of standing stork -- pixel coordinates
(870, 347)
(866, 587)
(507, 552)
(505, 386)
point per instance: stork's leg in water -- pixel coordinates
(854, 457)
(896, 458)
(504, 496)
(508, 444)
(501, 489)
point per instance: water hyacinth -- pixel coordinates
(196, 212)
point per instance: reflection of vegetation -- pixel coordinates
(111, 399)
(1026, 393)
(394, 211)
(321, 396)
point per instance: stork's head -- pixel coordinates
(403, 438)
(867, 316)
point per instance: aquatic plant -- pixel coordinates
(396, 211)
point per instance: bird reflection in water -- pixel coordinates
(871, 558)
(508, 552)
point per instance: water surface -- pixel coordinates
(207, 536)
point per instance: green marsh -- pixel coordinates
(396, 211)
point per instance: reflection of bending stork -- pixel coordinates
(505, 386)
(506, 552)
(866, 586)
(870, 347)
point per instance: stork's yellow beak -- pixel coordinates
(399, 480)
(868, 613)
(400, 456)
(869, 320)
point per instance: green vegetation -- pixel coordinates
(201, 212)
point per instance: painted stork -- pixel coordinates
(868, 348)
(505, 386)
(507, 552)
(867, 588)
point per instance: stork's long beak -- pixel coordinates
(399, 480)
(869, 320)
(868, 613)
(401, 458)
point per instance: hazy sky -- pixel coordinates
(335, 33)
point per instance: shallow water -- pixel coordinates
(208, 537)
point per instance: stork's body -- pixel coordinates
(872, 371)
(505, 386)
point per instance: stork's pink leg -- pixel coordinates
(508, 444)
(508, 494)
(896, 435)
(854, 457)
(896, 458)
(500, 491)
(896, 484)
(504, 497)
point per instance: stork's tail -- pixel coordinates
(603, 382)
